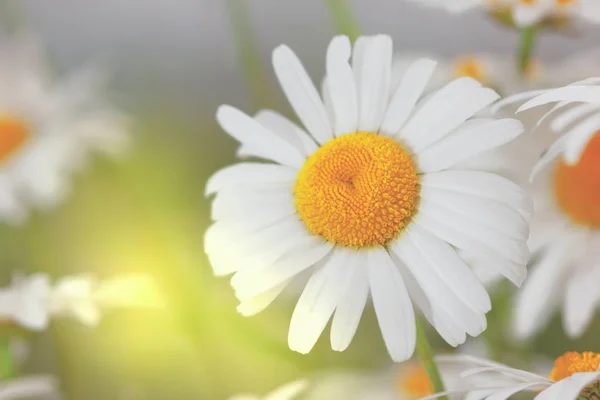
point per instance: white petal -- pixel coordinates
(301, 94)
(451, 269)
(526, 15)
(467, 142)
(258, 303)
(411, 88)
(392, 305)
(352, 303)
(258, 138)
(374, 82)
(515, 98)
(305, 254)
(572, 115)
(291, 132)
(581, 299)
(468, 234)
(491, 214)
(445, 111)
(249, 174)
(231, 203)
(549, 155)
(504, 394)
(568, 388)
(583, 94)
(317, 302)
(437, 291)
(342, 86)
(436, 315)
(536, 300)
(481, 184)
(579, 138)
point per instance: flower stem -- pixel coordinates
(527, 44)
(249, 54)
(7, 367)
(425, 354)
(343, 19)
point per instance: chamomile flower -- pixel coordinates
(30, 301)
(526, 12)
(574, 376)
(370, 199)
(566, 226)
(289, 391)
(47, 129)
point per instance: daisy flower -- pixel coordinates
(30, 301)
(289, 391)
(370, 199)
(525, 13)
(564, 229)
(47, 128)
(574, 376)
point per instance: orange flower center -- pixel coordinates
(577, 187)
(572, 362)
(358, 190)
(470, 67)
(13, 133)
(414, 382)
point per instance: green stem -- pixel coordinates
(249, 54)
(527, 43)
(7, 366)
(343, 19)
(425, 354)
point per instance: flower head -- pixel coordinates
(47, 128)
(31, 301)
(566, 223)
(523, 13)
(373, 201)
(574, 376)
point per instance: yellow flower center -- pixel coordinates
(13, 133)
(470, 67)
(565, 3)
(358, 190)
(414, 382)
(572, 362)
(577, 187)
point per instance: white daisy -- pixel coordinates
(38, 387)
(47, 128)
(371, 202)
(574, 376)
(526, 12)
(289, 391)
(564, 230)
(31, 301)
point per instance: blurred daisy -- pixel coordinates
(31, 301)
(289, 391)
(373, 201)
(39, 387)
(47, 128)
(497, 72)
(526, 12)
(564, 230)
(574, 376)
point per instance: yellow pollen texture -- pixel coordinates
(358, 190)
(414, 382)
(572, 362)
(577, 187)
(13, 132)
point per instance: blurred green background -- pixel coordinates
(173, 63)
